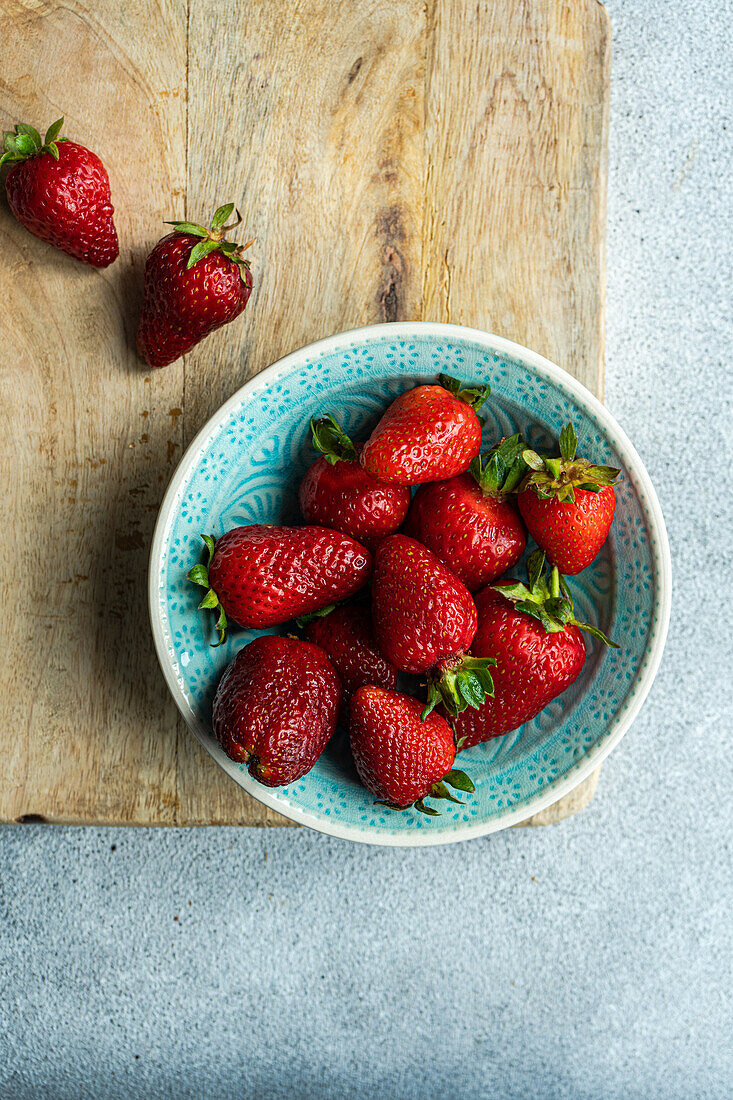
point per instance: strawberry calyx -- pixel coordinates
(458, 683)
(332, 441)
(213, 239)
(200, 575)
(546, 598)
(560, 477)
(472, 395)
(502, 469)
(419, 805)
(24, 141)
(455, 778)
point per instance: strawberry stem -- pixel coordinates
(213, 239)
(568, 443)
(439, 790)
(460, 683)
(503, 468)
(200, 575)
(220, 216)
(454, 778)
(24, 141)
(472, 395)
(419, 806)
(560, 476)
(459, 780)
(550, 602)
(331, 440)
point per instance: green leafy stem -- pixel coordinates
(24, 141)
(455, 778)
(200, 575)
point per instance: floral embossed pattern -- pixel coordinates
(245, 467)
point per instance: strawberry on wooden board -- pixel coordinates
(347, 635)
(195, 282)
(275, 708)
(470, 521)
(60, 192)
(400, 758)
(337, 492)
(427, 434)
(263, 575)
(538, 647)
(567, 504)
(424, 621)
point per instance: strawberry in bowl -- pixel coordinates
(338, 492)
(471, 521)
(568, 504)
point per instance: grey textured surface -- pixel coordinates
(587, 960)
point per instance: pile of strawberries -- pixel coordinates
(488, 653)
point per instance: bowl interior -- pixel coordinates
(245, 467)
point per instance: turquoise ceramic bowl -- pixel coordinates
(245, 467)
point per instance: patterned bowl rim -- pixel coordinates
(659, 547)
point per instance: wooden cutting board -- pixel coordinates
(395, 159)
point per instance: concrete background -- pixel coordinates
(586, 960)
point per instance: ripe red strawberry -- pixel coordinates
(347, 635)
(539, 649)
(425, 620)
(60, 192)
(469, 521)
(336, 492)
(568, 504)
(400, 758)
(428, 434)
(195, 282)
(261, 575)
(275, 708)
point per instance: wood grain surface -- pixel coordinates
(443, 161)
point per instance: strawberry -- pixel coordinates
(347, 635)
(469, 521)
(427, 434)
(60, 192)
(195, 282)
(261, 575)
(568, 504)
(275, 708)
(539, 649)
(337, 492)
(400, 758)
(425, 620)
